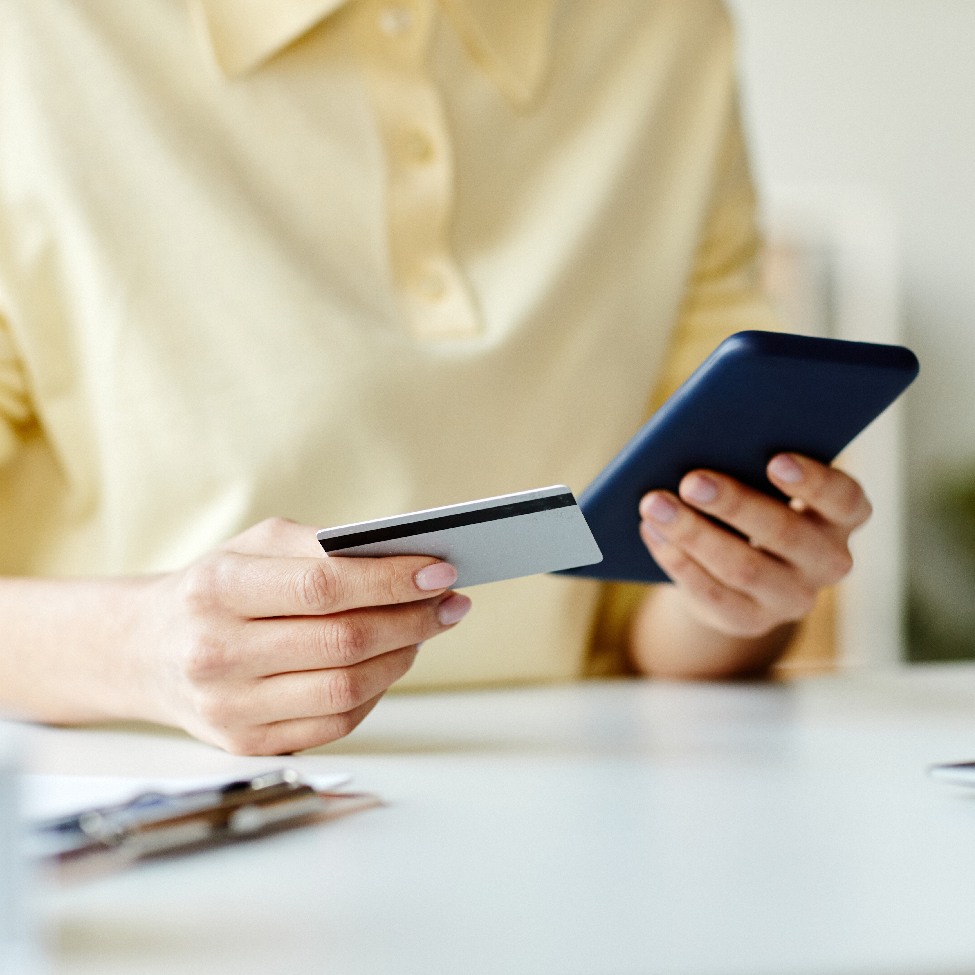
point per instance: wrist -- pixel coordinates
(73, 653)
(669, 638)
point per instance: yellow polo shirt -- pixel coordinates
(334, 261)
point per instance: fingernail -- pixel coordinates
(785, 469)
(440, 575)
(659, 507)
(455, 607)
(699, 488)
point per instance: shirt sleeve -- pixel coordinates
(15, 410)
(724, 295)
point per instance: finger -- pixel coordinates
(769, 524)
(835, 495)
(280, 537)
(261, 587)
(316, 693)
(287, 644)
(297, 734)
(727, 558)
(724, 608)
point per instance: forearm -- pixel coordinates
(66, 653)
(667, 640)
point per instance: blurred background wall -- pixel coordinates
(872, 102)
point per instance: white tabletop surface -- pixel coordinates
(628, 827)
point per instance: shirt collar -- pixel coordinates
(509, 39)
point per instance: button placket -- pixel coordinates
(393, 42)
(395, 21)
(416, 146)
(433, 285)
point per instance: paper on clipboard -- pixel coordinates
(47, 796)
(112, 825)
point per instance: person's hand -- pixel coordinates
(265, 646)
(747, 587)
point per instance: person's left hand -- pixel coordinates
(746, 587)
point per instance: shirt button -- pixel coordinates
(433, 286)
(395, 21)
(416, 146)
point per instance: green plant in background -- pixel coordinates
(941, 610)
(957, 508)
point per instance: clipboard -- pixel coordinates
(159, 824)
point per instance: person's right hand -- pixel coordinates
(265, 646)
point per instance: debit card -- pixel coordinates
(486, 541)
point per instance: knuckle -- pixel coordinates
(206, 656)
(318, 586)
(836, 491)
(841, 562)
(203, 584)
(865, 511)
(341, 691)
(267, 532)
(347, 640)
(353, 638)
(849, 497)
(274, 527)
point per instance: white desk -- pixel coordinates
(618, 828)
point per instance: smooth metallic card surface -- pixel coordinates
(486, 541)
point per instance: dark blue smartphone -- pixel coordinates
(756, 395)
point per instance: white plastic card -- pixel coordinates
(486, 541)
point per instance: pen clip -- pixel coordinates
(106, 827)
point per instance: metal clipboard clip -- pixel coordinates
(158, 824)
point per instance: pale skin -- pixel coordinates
(263, 646)
(737, 601)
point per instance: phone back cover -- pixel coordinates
(757, 394)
